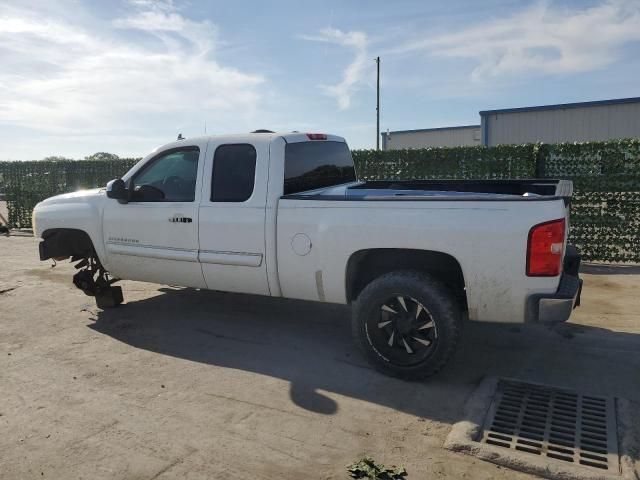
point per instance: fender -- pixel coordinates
(80, 210)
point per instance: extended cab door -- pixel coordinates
(232, 217)
(154, 237)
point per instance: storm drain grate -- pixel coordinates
(556, 423)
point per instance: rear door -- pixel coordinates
(232, 217)
(154, 237)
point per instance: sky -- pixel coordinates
(79, 77)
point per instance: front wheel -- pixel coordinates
(407, 324)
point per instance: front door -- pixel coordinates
(232, 217)
(154, 237)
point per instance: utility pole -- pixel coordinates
(378, 104)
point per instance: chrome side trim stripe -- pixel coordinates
(320, 285)
(152, 251)
(243, 259)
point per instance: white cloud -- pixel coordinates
(541, 40)
(354, 74)
(62, 79)
(162, 19)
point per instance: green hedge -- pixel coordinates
(605, 221)
(605, 212)
(504, 161)
(27, 183)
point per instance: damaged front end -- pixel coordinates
(94, 281)
(91, 278)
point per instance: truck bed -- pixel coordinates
(487, 190)
(483, 224)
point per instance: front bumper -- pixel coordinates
(557, 307)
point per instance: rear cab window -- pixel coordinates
(316, 164)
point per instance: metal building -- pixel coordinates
(432, 137)
(568, 122)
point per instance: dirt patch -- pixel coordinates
(51, 274)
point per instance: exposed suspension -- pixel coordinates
(95, 281)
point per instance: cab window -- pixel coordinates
(234, 172)
(170, 177)
(316, 164)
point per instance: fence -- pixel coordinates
(605, 221)
(27, 183)
(503, 161)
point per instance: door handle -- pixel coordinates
(180, 219)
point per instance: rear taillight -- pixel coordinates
(544, 249)
(317, 136)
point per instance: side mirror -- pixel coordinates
(118, 190)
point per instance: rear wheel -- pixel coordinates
(407, 324)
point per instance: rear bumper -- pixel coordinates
(557, 307)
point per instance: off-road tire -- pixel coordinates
(433, 295)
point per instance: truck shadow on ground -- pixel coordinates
(309, 345)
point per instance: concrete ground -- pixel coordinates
(180, 383)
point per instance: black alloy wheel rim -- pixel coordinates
(402, 330)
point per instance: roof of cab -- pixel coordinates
(288, 137)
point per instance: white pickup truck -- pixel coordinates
(282, 214)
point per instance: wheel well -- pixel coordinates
(367, 265)
(66, 242)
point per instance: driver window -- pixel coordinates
(168, 178)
